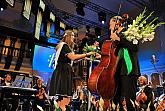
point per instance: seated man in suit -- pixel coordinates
(9, 98)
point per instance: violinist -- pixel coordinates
(41, 94)
(127, 70)
(145, 95)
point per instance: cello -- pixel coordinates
(102, 78)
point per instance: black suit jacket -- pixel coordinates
(133, 53)
(149, 93)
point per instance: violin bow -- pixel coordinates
(117, 15)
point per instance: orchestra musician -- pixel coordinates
(1, 79)
(126, 73)
(145, 97)
(79, 97)
(94, 103)
(9, 97)
(7, 80)
(41, 95)
(160, 104)
(62, 78)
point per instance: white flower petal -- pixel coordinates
(135, 41)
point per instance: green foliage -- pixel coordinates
(91, 48)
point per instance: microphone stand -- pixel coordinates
(154, 61)
(154, 64)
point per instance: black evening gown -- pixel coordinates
(61, 81)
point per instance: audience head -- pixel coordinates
(142, 80)
(96, 43)
(40, 81)
(7, 78)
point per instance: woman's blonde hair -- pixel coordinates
(143, 78)
(67, 38)
(116, 18)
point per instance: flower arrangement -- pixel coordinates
(91, 48)
(140, 30)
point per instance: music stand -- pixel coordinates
(18, 81)
(27, 82)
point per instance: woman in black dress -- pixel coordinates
(61, 81)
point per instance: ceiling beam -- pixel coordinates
(75, 19)
(141, 3)
(94, 7)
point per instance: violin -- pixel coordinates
(41, 93)
(161, 106)
(142, 97)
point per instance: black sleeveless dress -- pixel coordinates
(61, 81)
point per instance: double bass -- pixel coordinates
(102, 78)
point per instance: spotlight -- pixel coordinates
(1, 9)
(103, 22)
(102, 17)
(79, 9)
(3, 5)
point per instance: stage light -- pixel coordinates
(3, 5)
(1, 9)
(102, 17)
(103, 22)
(79, 9)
